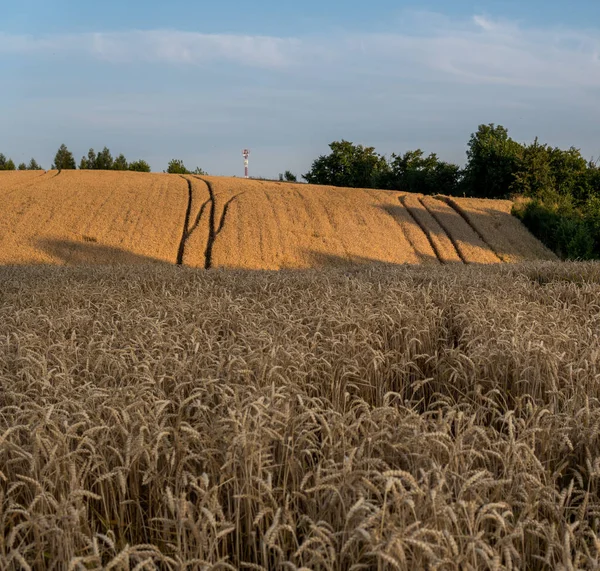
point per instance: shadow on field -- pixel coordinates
(324, 260)
(498, 231)
(503, 232)
(72, 252)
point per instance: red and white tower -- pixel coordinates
(246, 154)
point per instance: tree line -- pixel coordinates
(560, 188)
(103, 160)
(9, 165)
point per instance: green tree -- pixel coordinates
(33, 165)
(104, 160)
(569, 170)
(493, 159)
(176, 166)
(10, 165)
(120, 163)
(64, 160)
(83, 164)
(91, 159)
(289, 176)
(347, 165)
(22, 167)
(139, 166)
(2, 162)
(535, 174)
(414, 172)
(199, 171)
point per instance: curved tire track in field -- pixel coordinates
(186, 223)
(445, 229)
(214, 229)
(424, 229)
(457, 208)
(211, 227)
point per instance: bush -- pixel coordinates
(572, 233)
(139, 166)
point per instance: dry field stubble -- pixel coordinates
(100, 217)
(502, 231)
(268, 225)
(382, 418)
(467, 242)
(87, 217)
(439, 240)
(19, 179)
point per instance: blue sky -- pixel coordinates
(200, 81)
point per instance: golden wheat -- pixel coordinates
(492, 219)
(440, 241)
(469, 245)
(102, 217)
(87, 217)
(379, 418)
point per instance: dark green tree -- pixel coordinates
(64, 160)
(104, 160)
(33, 165)
(414, 172)
(139, 166)
(347, 165)
(3, 161)
(569, 170)
(199, 171)
(22, 167)
(120, 163)
(10, 165)
(289, 176)
(91, 159)
(534, 176)
(176, 166)
(493, 160)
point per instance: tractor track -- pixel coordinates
(456, 207)
(424, 229)
(214, 229)
(443, 227)
(186, 223)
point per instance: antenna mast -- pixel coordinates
(246, 154)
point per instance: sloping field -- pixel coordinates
(265, 225)
(90, 217)
(440, 241)
(503, 232)
(380, 418)
(87, 217)
(15, 180)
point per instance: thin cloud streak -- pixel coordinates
(480, 51)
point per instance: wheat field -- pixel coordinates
(87, 217)
(383, 417)
(107, 217)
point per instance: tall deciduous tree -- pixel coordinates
(414, 172)
(347, 165)
(493, 160)
(64, 160)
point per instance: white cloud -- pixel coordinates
(480, 50)
(428, 84)
(161, 46)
